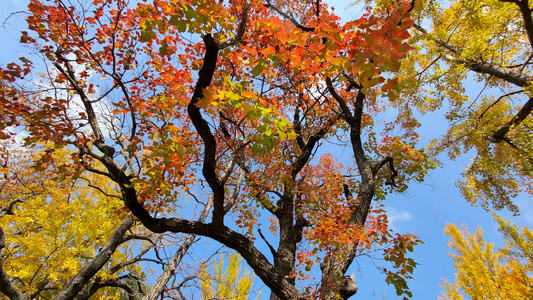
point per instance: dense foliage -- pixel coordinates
(235, 111)
(485, 273)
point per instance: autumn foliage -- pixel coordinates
(243, 105)
(484, 272)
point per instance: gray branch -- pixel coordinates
(76, 284)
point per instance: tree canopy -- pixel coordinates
(488, 42)
(485, 273)
(220, 119)
(225, 282)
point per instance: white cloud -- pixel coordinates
(396, 216)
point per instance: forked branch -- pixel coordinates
(289, 17)
(390, 161)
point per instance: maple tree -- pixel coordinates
(230, 104)
(485, 273)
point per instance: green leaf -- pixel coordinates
(259, 67)
(147, 35)
(392, 65)
(175, 20)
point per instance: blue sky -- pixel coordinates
(424, 209)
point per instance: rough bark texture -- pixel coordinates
(334, 281)
(290, 226)
(277, 283)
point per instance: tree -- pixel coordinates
(167, 100)
(225, 282)
(488, 42)
(55, 229)
(484, 273)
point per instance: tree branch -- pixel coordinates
(217, 231)
(6, 286)
(130, 237)
(68, 72)
(9, 210)
(496, 102)
(159, 286)
(526, 17)
(524, 112)
(272, 250)
(346, 113)
(231, 201)
(333, 269)
(137, 258)
(97, 284)
(202, 127)
(504, 73)
(76, 284)
(240, 30)
(288, 17)
(390, 160)
(39, 289)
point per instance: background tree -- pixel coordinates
(224, 282)
(480, 48)
(485, 273)
(53, 227)
(171, 101)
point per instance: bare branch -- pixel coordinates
(272, 250)
(138, 237)
(137, 258)
(161, 282)
(233, 198)
(288, 17)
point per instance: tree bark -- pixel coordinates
(6, 286)
(334, 281)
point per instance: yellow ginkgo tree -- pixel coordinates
(49, 240)
(487, 273)
(224, 282)
(472, 61)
